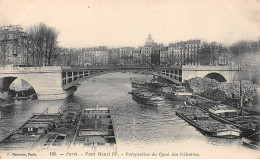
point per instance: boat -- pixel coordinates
(64, 131)
(6, 102)
(137, 84)
(95, 129)
(205, 124)
(176, 93)
(247, 124)
(30, 132)
(145, 97)
(252, 141)
(22, 96)
(154, 84)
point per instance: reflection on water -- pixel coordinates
(137, 126)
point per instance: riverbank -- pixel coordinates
(227, 93)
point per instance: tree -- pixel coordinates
(4, 48)
(42, 44)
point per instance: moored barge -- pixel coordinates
(63, 132)
(249, 125)
(95, 129)
(177, 93)
(252, 141)
(29, 133)
(145, 97)
(137, 84)
(205, 124)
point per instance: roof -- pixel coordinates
(222, 109)
(149, 40)
(97, 108)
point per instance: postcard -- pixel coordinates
(129, 79)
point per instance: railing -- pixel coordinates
(199, 67)
(118, 67)
(41, 68)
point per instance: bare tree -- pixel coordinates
(43, 44)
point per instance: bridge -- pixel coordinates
(56, 82)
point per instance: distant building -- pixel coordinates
(164, 58)
(137, 57)
(13, 42)
(113, 56)
(126, 55)
(184, 52)
(155, 57)
(146, 50)
(92, 57)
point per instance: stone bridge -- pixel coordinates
(220, 73)
(56, 82)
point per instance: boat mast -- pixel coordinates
(240, 92)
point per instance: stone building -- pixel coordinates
(126, 55)
(184, 52)
(13, 49)
(137, 57)
(146, 50)
(164, 57)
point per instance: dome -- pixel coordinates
(149, 40)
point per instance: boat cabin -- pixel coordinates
(201, 116)
(224, 111)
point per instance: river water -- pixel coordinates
(139, 128)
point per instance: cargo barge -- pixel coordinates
(249, 125)
(95, 130)
(137, 84)
(176, 93)
(29, 133)
(205, 124)
(145, 97)
(63, 131)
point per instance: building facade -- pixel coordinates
(126, 55)
(164, 57)
(13, 45)
(184, 52)
(92, 57)
(137, 57)
(148, 48)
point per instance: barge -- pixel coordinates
(177, 93)
(249, 125)
(63, 131)
(205, 124)
(145, 97)
(29, 133)
(95, 130)
(252, 141)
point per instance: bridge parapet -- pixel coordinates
(117, 67)
(10, 69)
(209, 68)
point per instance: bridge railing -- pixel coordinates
(199, 67)
(119, 67)
(41, 68)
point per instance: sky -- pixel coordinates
(118, 23)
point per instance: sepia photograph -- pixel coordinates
(129, 79)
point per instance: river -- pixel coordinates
(138, 127)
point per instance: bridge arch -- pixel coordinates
(216, 76)
(6, 81)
